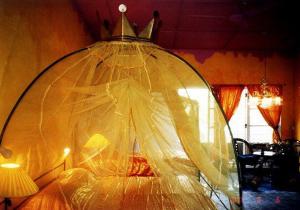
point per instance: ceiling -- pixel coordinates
(206, 24)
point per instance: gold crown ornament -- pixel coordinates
(124, 31)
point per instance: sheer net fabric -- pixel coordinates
(126, 111)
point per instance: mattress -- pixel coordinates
(79, 189)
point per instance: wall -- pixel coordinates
(248, 68)
(297, 99)
(33, 34)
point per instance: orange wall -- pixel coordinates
(33, 34)
(248, 68)
(297, 99)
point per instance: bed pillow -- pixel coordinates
(76, 177)
(138, 166)
(100, 166)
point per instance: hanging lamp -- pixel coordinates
(263, 96)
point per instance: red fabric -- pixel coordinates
(138, 166)
(272, 113)
(229, 97)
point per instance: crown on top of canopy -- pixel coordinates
(123, 29)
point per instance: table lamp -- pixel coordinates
(15, 182)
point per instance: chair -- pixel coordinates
(287, 163)
(245, 156)
(297, 150)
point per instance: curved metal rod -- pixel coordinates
(37, 77)
(77, 51)
(29, 87)
(226, 120)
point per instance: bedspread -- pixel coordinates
(78, 189)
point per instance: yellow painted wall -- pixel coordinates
(297, 99)
(248, 68)
(33, 34)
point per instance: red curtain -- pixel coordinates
(270, 113)
(229, 97)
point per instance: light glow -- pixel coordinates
(67, 151)
(266, 102)
(10, 165)
(195, 97)
(97, 141)
(122, 8)
(254, 101)
(277, 100)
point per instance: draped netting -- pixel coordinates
(130, 112)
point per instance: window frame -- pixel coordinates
(247, 120)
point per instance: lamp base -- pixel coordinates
(7, 203)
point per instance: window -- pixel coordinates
(205, 111)
(248, 123)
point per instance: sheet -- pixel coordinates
(80, 189)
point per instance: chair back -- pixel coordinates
(239, 145)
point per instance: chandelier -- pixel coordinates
(266, 96)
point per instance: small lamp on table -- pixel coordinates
(15, 182)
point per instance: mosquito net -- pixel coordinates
(126, 109)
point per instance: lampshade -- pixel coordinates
(14, 182)
(97, 141)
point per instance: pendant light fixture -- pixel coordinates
(264, 96)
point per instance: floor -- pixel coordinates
(267, 196)
(270, 197)
(271, 200)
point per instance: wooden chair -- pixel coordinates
(245, 157)
(287, 164)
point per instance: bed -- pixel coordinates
(80, 189)
(107, 102)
